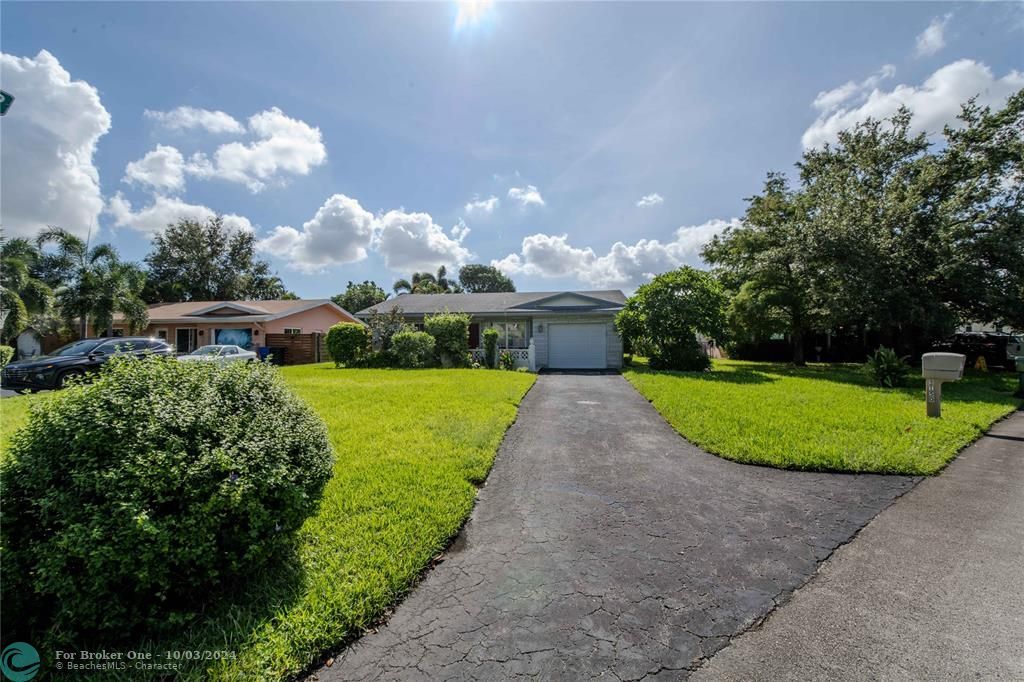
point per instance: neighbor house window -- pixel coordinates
(292, 330)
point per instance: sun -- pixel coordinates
(472, 13)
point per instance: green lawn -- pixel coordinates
(823, 417)
(411, 446)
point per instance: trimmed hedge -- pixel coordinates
(491, 347)
(130, 501)
(348, 343)
(451, 337)
(412, 349)
(6, 355)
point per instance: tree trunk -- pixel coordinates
(83, 327)
(798, 348)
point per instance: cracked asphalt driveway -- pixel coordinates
(604, 544)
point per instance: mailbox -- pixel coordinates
(943, 366)
(936, 368)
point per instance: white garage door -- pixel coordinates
(577, 346)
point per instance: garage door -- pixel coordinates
(577, 346)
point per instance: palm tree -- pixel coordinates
(428, 283)
(92, 282)
(21, 293)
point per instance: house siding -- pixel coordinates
(540, 338)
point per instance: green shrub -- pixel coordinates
(6, 355)
(413, 349)
(131, 500)
(451, 337)
(348, 343)
(506, 361)
(491, 347)
(684, 355)
(384, 326)
(886, 368)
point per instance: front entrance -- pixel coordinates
(577, 346)
(185, 339)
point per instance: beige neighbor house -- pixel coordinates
(546, 329)
(242, 323)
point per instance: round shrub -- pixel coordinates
(507, 361)
(451, 337)
(6, 355)
(131, 500)
(348, 343)
(491, 347)
(412, 349)
(886, 368)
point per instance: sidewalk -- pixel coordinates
(931, 589)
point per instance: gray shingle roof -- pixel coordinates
(482, 304)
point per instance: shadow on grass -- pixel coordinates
(732, 376)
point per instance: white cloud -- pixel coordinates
(284, 146)
(47, 174)
(165, 211)
(186, 118)
(340, 232)
(650, 200)
(933, 38)
(624, 265)
(162, 168)
(934, 103)
(850, 91)
(483, 205)
(413, 241)
(526, 196)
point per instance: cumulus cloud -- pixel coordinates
(47, 174)
(284, 146)
(482, 205)
(340, 232)
(933, 38)
(162, 168)
(829, 100)
(934, 103)
(165, 211)
(413, 241)
(187, 118)
(625, 265)
(650, 200)
(526, 196)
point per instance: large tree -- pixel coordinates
(428, 283)
(208, 261)
(91, 284)
(360, 296)
(22, 293)
(481, 279)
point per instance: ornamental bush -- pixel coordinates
(491, 347)
(130, 501)
(451, 337)
(6, 355)
(348, 343)
(886, 368)
(506, 361)
(412, 349)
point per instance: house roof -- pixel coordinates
(233, 311)
(501, 303)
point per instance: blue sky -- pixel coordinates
(362, 141)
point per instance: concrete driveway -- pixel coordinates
(603, 544)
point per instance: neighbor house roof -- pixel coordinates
(531, 302)
(233, 311)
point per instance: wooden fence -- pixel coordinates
(299, 349)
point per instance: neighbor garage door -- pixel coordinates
(577, 346)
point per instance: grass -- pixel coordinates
(411, 447)
(823, 417)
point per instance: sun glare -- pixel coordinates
(472, 13)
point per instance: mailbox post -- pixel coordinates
(936, 368)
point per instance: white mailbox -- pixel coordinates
(943, 366)
(936, 368)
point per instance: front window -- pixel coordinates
(293, 330)
(511, 334)
(77, 348)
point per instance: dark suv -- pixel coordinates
(998, 348)
(75, 359)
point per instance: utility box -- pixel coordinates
(936, 368)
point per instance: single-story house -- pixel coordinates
(191, 324)
(565, 329)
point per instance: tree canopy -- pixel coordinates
(360, 296)
(428, 283)
(484, 279)
(208, 261)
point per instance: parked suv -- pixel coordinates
(998, 348)
(75, 359)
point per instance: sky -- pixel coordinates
(573, 145)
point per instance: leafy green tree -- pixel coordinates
(666, 315)
(194, 261)
(360, 296)
(428, 283)
(22, 293)
(481, 279)
(91, 283)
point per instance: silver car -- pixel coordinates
(219, 353)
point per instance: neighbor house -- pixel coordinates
(243, 323)
(567, 329)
